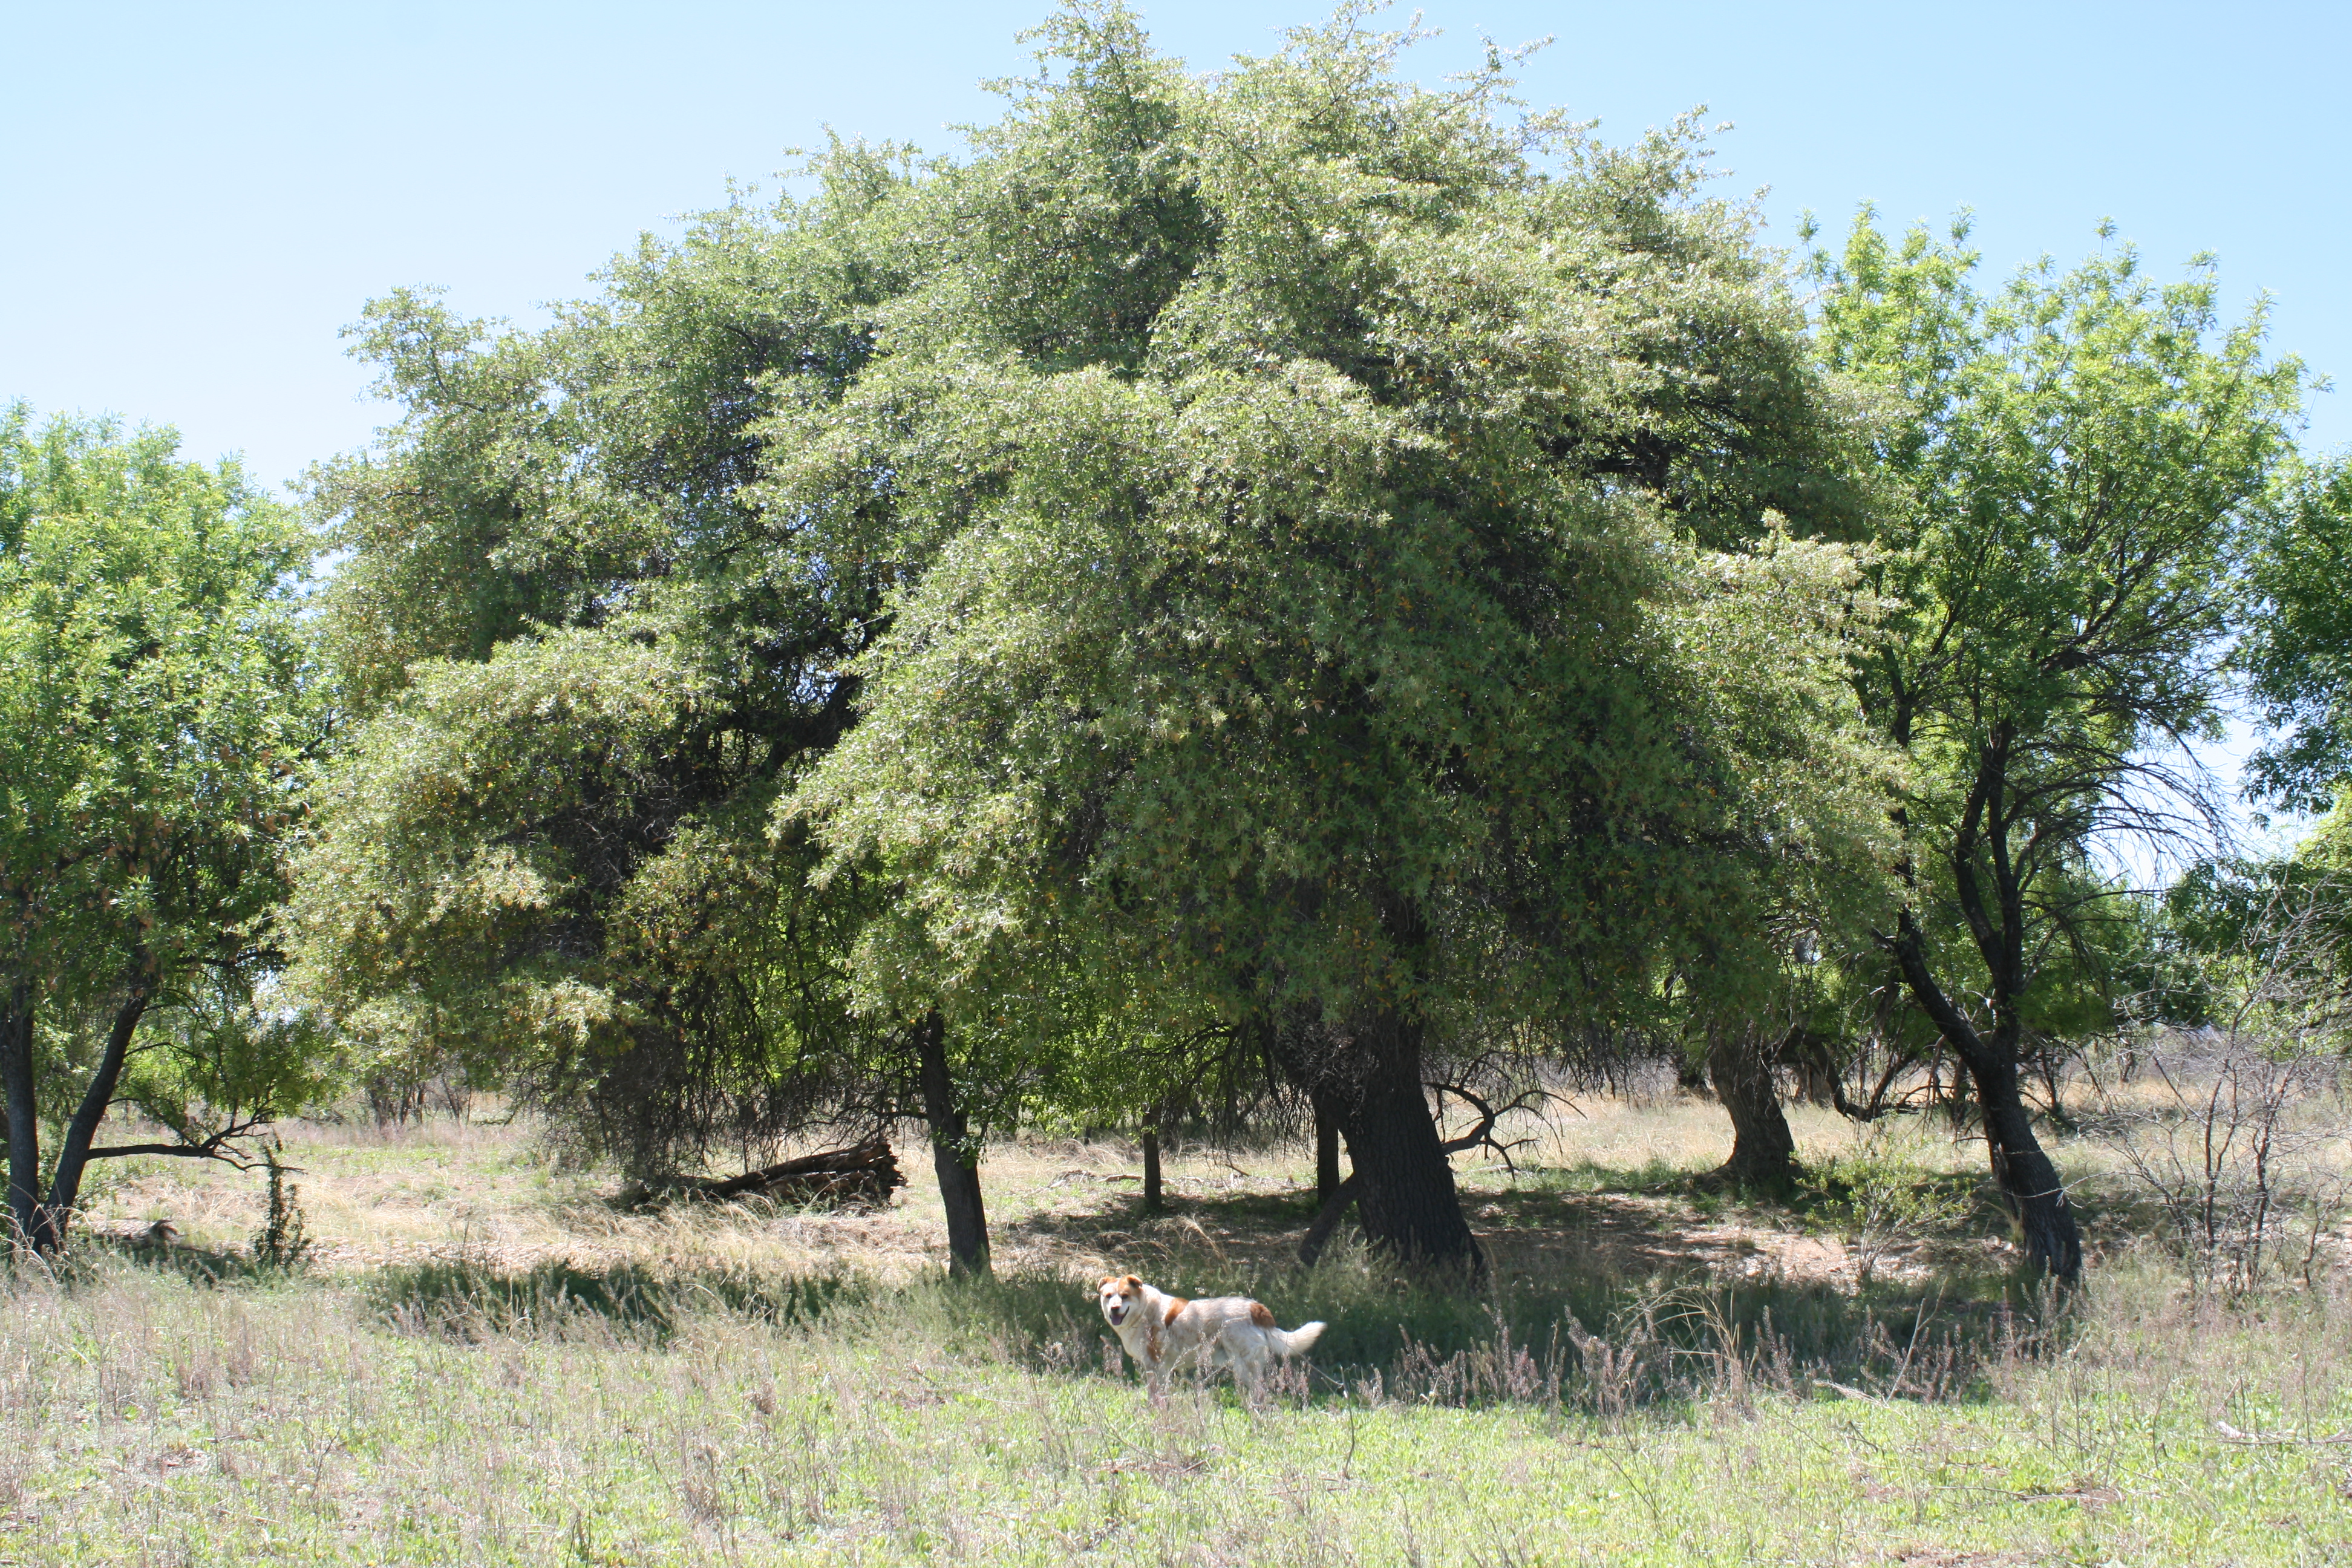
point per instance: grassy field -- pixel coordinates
(488, 1363)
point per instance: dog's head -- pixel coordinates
(1120, 1295)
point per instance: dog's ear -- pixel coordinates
(1132, 1283)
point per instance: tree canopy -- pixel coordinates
(1353, 557)
(585, 666)
(160, 700)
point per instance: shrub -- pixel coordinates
(1882, 1194)
(2233, 1157)
(284, 1239)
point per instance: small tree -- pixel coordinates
(158, 705)
(2067, 471)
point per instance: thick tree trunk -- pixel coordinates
(24, 1121)
(73, 1151)
(953, 1157)
(1154, 1194)
(1408, 1203)
(1763, 1154)
(1327, 1154)
(1368, 1073)
(2029, 1181)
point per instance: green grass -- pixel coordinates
(1659, 1371)
(451, 1413)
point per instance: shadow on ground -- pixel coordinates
(1588, 1221)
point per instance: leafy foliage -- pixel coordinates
(2068, 469)
(1333, 626)
(158, 701)
(544, 857)
(2296, 637)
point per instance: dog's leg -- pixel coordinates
(1237, 1351)
(1253, 1365)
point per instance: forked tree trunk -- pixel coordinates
(1407, 1199)
(1763, 1154)
(954, 1157)
(2029, 1182)
(24, 1121)
(1690, 1077)
(73, 1150)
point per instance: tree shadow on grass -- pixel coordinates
(1584, 1223)
(1637, 1279)
(474, 1301)
(470, 1299)
(200, 1266)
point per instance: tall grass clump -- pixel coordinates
(1588, 1346)
(473, 1301)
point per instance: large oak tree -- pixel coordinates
(1337, 580)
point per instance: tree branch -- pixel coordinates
(1906, 950)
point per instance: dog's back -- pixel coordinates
(1242, 1335)
(1202, 1321)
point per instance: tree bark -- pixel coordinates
(1407, 1201)
(73, 1151)
(1763, 1154)
(1327, 1220)
(1154, 1196)
(1327, 1154)
(2027, 1179)
(953, 1155)
(23, 1120)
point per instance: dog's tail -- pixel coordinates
(1290, 1342)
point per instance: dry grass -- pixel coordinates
(1601, 1189)
(1663, 1375)
(484, 1189)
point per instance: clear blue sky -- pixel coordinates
(200, 196)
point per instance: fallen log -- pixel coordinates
(864, 1175)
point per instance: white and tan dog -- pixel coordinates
(1232, 1332)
